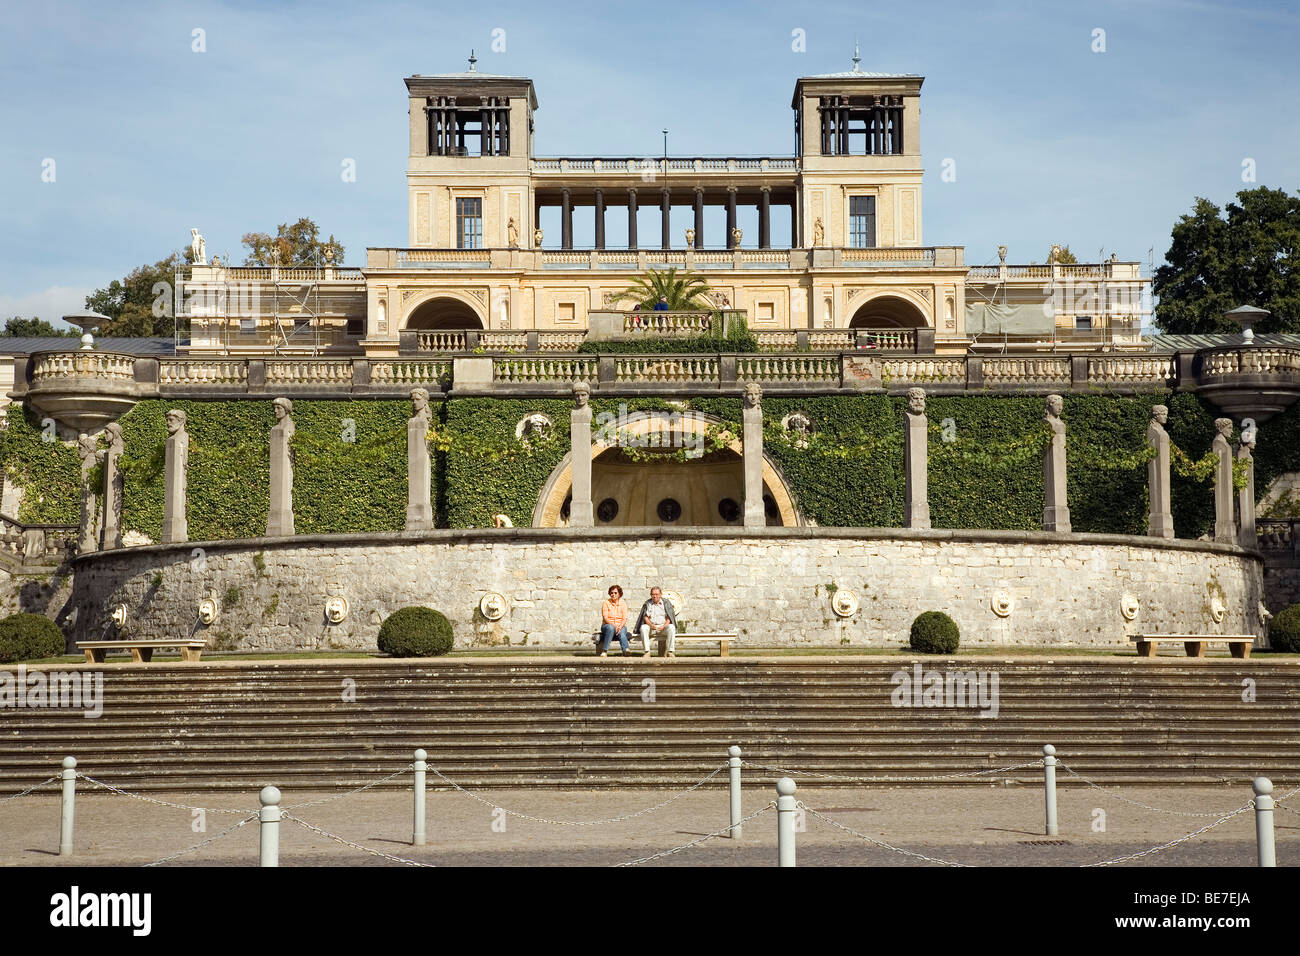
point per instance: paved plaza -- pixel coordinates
(979, 826)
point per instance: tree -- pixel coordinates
(1064, 256)
(299, 246)
(1251, 257)
(141, 303)
(18, 327)
(685, 293)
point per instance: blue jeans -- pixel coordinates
(607, 633)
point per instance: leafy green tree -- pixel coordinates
(1215, 263)
(685, 292)
(141, 303)
(1064, 256)
(299, 246)
(18, 327)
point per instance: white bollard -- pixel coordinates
(69, 805)
(269, 818)
(785, 822)
(417, 838)
(734, 766)
(1264, 821)
(1049, 787)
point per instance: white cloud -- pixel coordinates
(49, 304)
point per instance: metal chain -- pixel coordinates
(873, 841)
(356, 846)
(578, 823)
(338, 796)
(211, 839)
(161, 803)
(946, 776)
(1171, 843)
(709, 836)
(24, 793)
(1136, 803)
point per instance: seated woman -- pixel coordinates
(613, 620)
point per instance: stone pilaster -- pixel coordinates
(88, 452)
(916, 461)
(1225, 525)
(419, 472)
(1161, 523)
(176, 526)
(580, 508)
(1246, 535)
(113, 488)
(1056, 508)
(279, 521)
(752, 450)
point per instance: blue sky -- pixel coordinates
(1051, 141)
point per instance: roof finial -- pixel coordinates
(472, 60)
(856, 59)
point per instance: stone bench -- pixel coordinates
(1238, 644)
(141, 651)
(721, 638)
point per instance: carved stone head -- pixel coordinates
(753, 394)
(175, 421)
(283, 408)
(581, 394)
(1160, 414)
(420, 400)
(1055, 405)
(916, 401)
(114, 432)
(1223, 426)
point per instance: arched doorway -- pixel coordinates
(656, 486)
(444, 313)
(888, 312)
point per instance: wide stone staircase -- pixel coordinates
(585, 723)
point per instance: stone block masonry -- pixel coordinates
(774, 586)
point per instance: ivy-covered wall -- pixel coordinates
(350, 461)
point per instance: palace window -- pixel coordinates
(469, 223)
(862, 222)
(1083, 323)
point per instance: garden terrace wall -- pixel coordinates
(774, 586)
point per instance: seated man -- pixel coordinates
(657, 617)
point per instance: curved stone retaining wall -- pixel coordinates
(775, 585)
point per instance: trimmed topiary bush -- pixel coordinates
(934, 632)
(27, 637)
(1284, 630)
(415, 632)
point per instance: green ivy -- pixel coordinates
(985, 463)
(48, 471)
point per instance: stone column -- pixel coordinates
(280, 520)
(88, 452)
(1247, 537)
(794, 228)
(1161, 522)
(113, 488)
(176, 526)
(665, 210)
(752, 451)
(580, 511)
(764, 217)
(731, 216)
(419, 473)
(631, 218)
(600, 219)
(916, 461)
(1056, 508)
(1225, 526)
(699, 217)
(566, 219)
